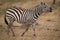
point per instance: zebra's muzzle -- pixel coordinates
(50, 9)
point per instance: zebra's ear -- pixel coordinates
(42, 3)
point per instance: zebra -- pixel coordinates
(25, 16)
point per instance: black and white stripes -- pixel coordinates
(25, 16)
(22, 15)
(14, 13)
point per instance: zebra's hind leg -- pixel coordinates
(10, 26)
(8, 30)
(25, 31)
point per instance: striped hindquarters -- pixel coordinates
(14, 13)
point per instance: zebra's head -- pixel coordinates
(45, 8)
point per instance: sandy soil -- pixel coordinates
(48, 28)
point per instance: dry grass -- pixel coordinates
(48, 28)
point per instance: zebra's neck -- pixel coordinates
(38, 11)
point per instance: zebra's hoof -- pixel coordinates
(21, 35)
(34, 35)
(13, 35)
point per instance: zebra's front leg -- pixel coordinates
(33, 26)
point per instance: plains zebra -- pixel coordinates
(25, 16)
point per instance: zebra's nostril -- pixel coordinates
(50, 9)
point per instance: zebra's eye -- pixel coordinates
(44, 7)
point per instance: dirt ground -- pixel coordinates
(48, 28)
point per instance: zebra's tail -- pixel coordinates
(5, 20)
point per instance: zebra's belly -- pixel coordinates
(25, 22)
(22, 22)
